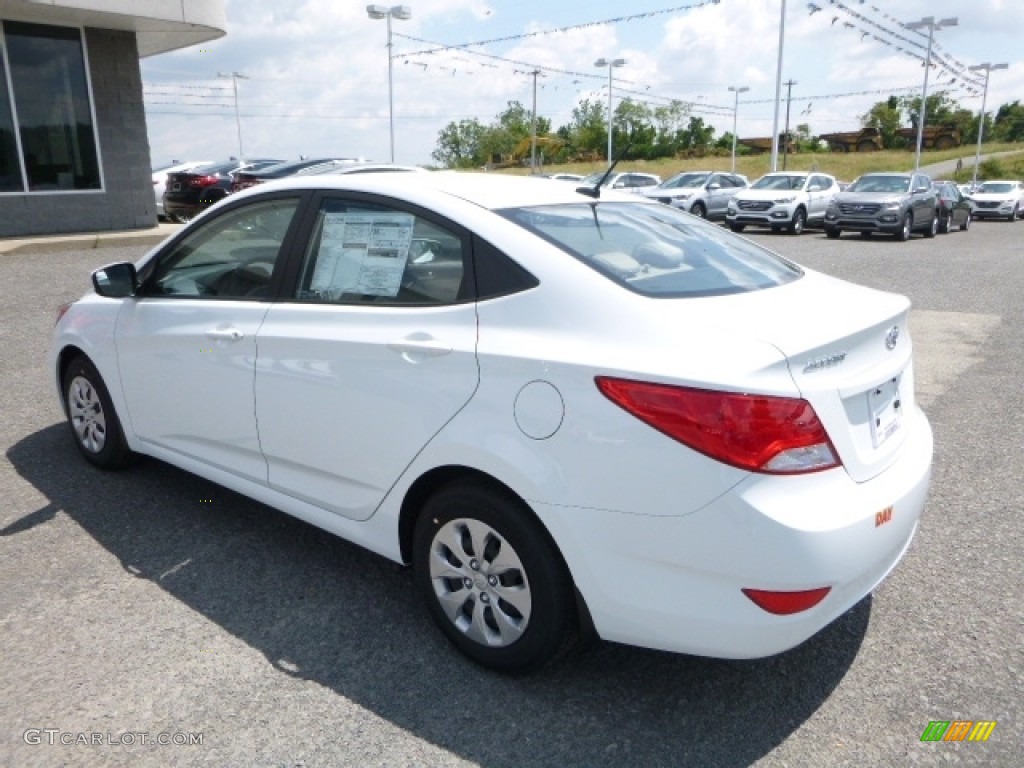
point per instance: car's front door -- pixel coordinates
(187, 342)
(371, 356)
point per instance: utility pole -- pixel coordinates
(235, 77)
(533, 126)
(789, 92)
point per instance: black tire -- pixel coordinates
(450, 571)
(944, 223)
(967, 223)
(903, 234)
(1016, 213)
(866, 235)
(933, 227)
(737, 227)
(91, 416)
(832, 233)
(796, 226)
(698, 210)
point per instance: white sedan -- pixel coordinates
(569, 412)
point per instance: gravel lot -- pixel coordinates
(150, 602)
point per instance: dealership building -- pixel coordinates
(74, 154)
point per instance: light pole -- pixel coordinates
(235, 77)
(987, 68)
(611, 64)
(735, 111)
(404, 13)
(778, 88)
(929, 23)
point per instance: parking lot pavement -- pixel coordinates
(148, 605)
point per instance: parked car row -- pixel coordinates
(897, 204)
(184, 190)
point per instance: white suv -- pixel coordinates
(784, 200)
(998, 200)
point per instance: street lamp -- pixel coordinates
(235, 77)
(404, 13)
(735, 110)
(611, 64)
(981, 118)
(929, 23)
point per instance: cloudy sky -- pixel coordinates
(317, 70)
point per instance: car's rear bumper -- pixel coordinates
(674, 583)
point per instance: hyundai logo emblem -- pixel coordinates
(892, 337)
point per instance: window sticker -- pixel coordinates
(362, 253)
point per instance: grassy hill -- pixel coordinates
(844, 166)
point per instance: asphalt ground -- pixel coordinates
(149, 604)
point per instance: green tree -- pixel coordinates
(1008, 123)
(632, 125)
(587, 131)
(459, 145)
(887, 117)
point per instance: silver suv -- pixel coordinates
(783, 200)
(894, 203)
(702, 193)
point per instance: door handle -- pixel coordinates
(225, 334)
(418, 346)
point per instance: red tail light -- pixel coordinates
(786, 603)
(758, 433)
(202, 181)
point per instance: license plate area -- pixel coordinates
(886, 411)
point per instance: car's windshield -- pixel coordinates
(656, 250)
(685, 180)
(996, 188)
(781, 181)
(889, 184)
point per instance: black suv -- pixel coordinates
(894, 203)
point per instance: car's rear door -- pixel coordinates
(371, 355)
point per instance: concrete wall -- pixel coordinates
(127, 199)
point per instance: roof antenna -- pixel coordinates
(595, 192)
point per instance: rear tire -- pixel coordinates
(492, 579)
(832, 233)
(91, 416)
(933, 228)
(967, 223)
(944, 223)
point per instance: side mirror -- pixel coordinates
(714, 185)
(116, 281)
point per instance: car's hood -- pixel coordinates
(992, 197)
(768, 194)
(877, 198)
(675, 192)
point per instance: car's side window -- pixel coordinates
(363, 252)
(232, 256)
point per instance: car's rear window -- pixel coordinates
(655, 250)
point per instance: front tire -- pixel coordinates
(699, 210)
(737, 227)
(903, 234)
(832, 233)
(91, 416)
(796, 226)
(492, 579)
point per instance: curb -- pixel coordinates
(86, 241)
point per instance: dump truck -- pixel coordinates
(932, 137)
(547, 147)
(761, 144)
(864, 140)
